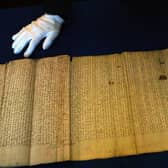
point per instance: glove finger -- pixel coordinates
(21, 45)
(49, 39)
(32, 46)
(21, 42)
(14, 37)
(17, 41)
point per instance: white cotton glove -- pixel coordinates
(47, 26)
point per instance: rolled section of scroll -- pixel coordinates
(34, 115)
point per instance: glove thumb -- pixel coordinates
(51, 36)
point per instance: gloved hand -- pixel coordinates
(47, 26)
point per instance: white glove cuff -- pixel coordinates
(55, 17)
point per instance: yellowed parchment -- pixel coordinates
(94, 107)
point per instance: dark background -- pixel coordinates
(18, 3)
(97, 27)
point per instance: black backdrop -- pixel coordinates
(96, 28)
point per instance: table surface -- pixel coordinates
(94, 30)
